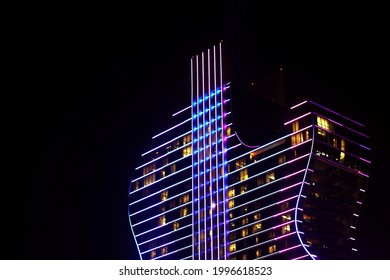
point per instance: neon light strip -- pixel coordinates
(264, 196)
(273, 142)
(168, 233)
(346, 138)
(204, 159)
(160, 168)
(337, 123)
(337, 149)
(185, 109)
(165, 144)
(336, 113)
(259, 244)
(160, 202)
(160, 226)
(166, 244)
(167, 188)
(260, 220)
(161, 214)
(170, 253)
(163, 156)
(193, 161)
(169, 129)
(224, 163)
(301, 257)
(159, 180)
(210, 153)
(270, 169)
(297, 118)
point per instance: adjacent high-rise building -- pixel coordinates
(201, 192)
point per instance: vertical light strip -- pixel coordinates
(204, 161)
(224, 184)
(193, 158)
(197, 154)
(216, 150)
(209, 133)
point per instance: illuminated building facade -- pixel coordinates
(201, 193)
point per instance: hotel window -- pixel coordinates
(243, 174)
(260, 181)
(173, 168)
(244, 232)
(231, 193)
(258, 253)
(165, 161)
(187, 139)
(185, 198)
(152, 177)
(272, 249)
(240, 163)
(297, 137)
(342, 148)
(164, 250)
(162, 220)
(229, 131)
(135, 185)
(286, 218)
(153, 254)
(256, 227)
(286, 229)
(164, 195)
(256, 216)
(244, 257)
(162, 173)
(176, 225)
(231, 203)
(232, 247)
(176, 144)
(269, 177)
(243, 189)
(183, 212)
(187, 151)
(244, 221)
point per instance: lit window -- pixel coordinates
(243, 189)
(243, 174)
(244, 257)
(162, 220)
(257, 227)
(164, 195)
(164, 250)
(256, 216)
(186, 198)
(240, 163)
(187, 139)
(260, 181)
(269, 177)
(297, 137)
(232, 247)
(231, 203)
(173, 168)
(245, 221)
(272, 249)
(231, 193)
(183, 212)
(152, 254)
(176, 225)
(244, 232)
(229, 131)
(187, 151)
(281, 159)
(258, 253)
(286, 229)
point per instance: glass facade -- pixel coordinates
(201, 193)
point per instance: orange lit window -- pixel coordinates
(164, 195)
(232, 247)
(272, 249)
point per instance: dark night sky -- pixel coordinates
(91, 92)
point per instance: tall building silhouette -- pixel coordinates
(204, 190)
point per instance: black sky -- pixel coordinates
(91, 92)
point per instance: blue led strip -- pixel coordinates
(208, 155)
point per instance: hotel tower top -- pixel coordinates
(201, 193)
